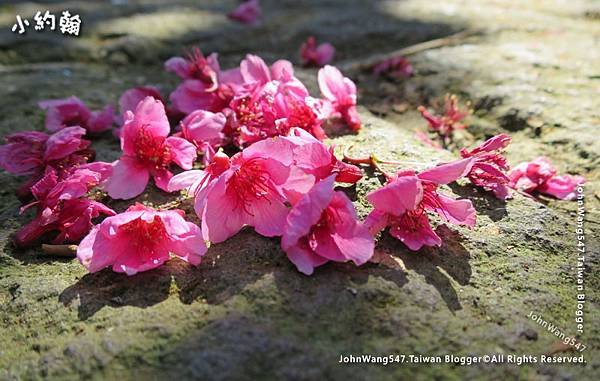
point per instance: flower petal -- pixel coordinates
(127, 180)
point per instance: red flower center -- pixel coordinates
(413, 221)
(250, 182)
(152, 150)
(249, 113)
(300, 115)
(144, 235)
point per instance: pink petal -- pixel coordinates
(376, 221)
(96, 251)
(162, 178)
(128, 179)
(331, 83)
(190, 246)
(100, 167)
(220, 218)
(396, 197)
(131, 97)
(562, 187)
(185, 180)
(304, 259)
(204, 126)
(64, 142)
(267, 217)
(449, 172)
(150, 113)
(282, 70)
(254, 69)
(179, 66)
(58, 111)
(417, 235)
(191, 95)
(307, 212)
(459, 212)
(100, 121)
(352, 239)
(183, 152)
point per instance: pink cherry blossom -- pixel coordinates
(147, 151)
(248, 192)
(540, 176)
(33, 153)
(489, 168)
(205, 86)
(270, 102)
(204, 129)
(141, 239)
(323, 227)
(395, 67)
(68, 112)
(340, 92)
(62, 207)
(449, 122)
(404, 201)
(247, 12)
(23, 153)
(196, 66)
(313, 55)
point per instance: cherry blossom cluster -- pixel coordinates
(279, 178)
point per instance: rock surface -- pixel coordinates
(245, 313)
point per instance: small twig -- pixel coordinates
(371, 161)
(59, 250)
(369, 62)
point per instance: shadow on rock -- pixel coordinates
(483, 201)
(228, 268)
(451, 257)
(107, 288)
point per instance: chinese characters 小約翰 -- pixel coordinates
(67, 23)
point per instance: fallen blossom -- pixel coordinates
(270, 99)
(316, 55)
(247, 192)
(322, 226)
(147, 151)
(404, 201)
(204, 129)
(62, 206)
(450, 121)
(32, 153)
(490, 165)
(141, 239)
(340, 92)
(540, 176)
(396, 67)
(69, 112)
(204, 86)
(247, 12)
